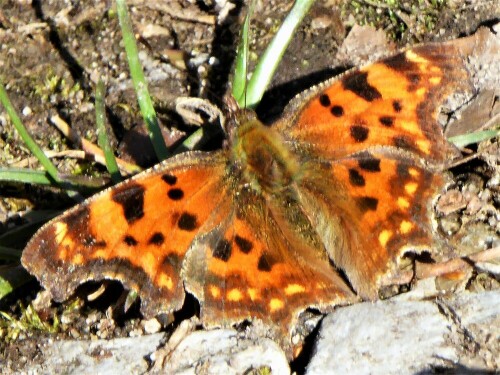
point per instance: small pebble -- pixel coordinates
(151, 326)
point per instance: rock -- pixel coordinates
(406, 337)
(124, 355)
(225, 351)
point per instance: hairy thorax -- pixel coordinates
(266, 162)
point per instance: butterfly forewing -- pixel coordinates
(137, 232)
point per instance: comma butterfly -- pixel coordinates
(259, 230)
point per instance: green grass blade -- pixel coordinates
(471, 138)
(269, 61)
(70, 184)
(102, 137)
(140, 84)
(241, 66)
(30, 143)
(27, 176)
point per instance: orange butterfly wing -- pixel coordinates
(137, 232)
(374, 145)
(257, 265)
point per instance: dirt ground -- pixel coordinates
(53, 53)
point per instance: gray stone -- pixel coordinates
(124, 355)
(225, 351)
(406, 337)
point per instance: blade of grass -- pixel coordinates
(69, 183)
(23, 132)
(140, 84)
(471, 138)
(27, 176)
(241, 66)
(102, 137)
(269, 61)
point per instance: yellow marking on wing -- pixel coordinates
(294, 289)
(149, 263)
(252, 293)
(408, 125)
(405, 227)
(424, 146)
(165, 281)
(276, 304)
(78, 259)
(384, 237)
(61, 229)
(214, 291)
(413, 172)
(421, 92)
(403, 203)
(234, 295)
(411, 187)
(435, 80)
(103, 254)
(412, 56)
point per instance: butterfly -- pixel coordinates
(312, 212)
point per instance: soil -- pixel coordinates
(54, 52)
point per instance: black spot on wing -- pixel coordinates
(131, 198)
(358, 84)
(170, 179)
(175, 194)
(187, 222)
(156, 239)
(396, 104)
(387, 121)
(367, 204)
(222, 250)
(243, 244)
(414, 78)
(369, 163)
(78, 219)
(337, 111)
(324, 100)
(408, 68)
(130, 240)
(359, 133)
(355, 178)
(400, 63)
(265, 263)
(403, 142)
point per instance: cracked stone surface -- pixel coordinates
(408, 337)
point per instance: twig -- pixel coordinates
(176, 12)
(424, 270)
(89, 147)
